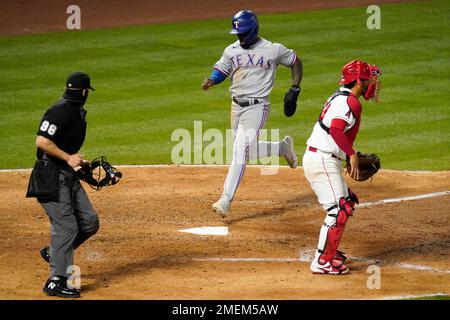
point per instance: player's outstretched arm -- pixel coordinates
(290, 98)
(297, 72)
(216, 77)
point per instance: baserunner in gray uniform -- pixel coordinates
(251, 63)
(55, 185)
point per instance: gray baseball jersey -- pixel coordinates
(252, 72)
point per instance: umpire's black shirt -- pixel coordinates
(64, 124)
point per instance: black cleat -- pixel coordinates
(45, 254)
(57, 286)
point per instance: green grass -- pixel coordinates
(439, 297)
(148, 82)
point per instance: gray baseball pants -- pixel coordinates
(73, 220)
(247, 122)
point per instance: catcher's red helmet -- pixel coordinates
(355, 70)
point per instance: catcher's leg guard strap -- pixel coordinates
(332, 229)
(352, 198)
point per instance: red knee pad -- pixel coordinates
(346, 206)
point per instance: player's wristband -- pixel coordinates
(217, 76)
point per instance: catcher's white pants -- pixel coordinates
(247, 122)
(324, 174)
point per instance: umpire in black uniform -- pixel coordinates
(53, 181)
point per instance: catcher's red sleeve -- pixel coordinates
(337, 133)
(354, 105)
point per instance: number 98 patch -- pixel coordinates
(50, 128)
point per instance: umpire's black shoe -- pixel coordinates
(57, 286)
(45, 254)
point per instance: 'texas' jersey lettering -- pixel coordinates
(250, 60)
(252, 71)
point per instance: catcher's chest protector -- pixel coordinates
(336, 94)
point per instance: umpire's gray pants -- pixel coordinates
(73, 220)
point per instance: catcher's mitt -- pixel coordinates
(290, 101)
(91, 172)
(369, 164)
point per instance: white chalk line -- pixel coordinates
(126, 166)
(307, 256)
(421, 268)
(156, 166)
(246, 259)
(427, 295)
(164, 166)
(401, 199)
(14, 170)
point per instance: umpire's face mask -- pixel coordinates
(85, 93)
(76, 95)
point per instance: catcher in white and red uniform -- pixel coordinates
(330, 143)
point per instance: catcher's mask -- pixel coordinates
(92, 173)
(372, 91)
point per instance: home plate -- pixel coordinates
(214, 231)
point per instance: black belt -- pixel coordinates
(245, 103)
(312, 149)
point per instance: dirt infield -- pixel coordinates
(37, 16)
(139, 254)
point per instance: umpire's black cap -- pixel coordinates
(79, 80)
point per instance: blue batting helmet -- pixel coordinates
(245, 22)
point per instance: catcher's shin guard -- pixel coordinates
(333, 227)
